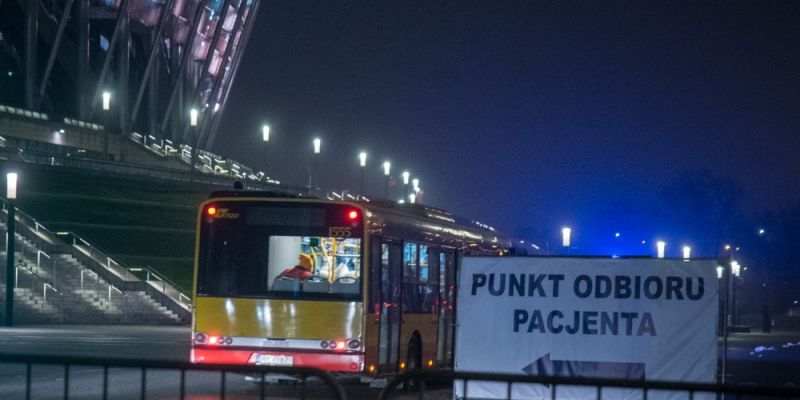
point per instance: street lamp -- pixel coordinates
(736, 271)
(412, 198)
(265, 136)
(687, 252)
(317, 148)
(193, 116)
(362, 159)
(106, 121)
(406, 175)
(11, 195)
(566, 234)
(661, 246)
(387, 167)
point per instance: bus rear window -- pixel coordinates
(280, 252)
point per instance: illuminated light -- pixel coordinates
(387, 167)
(661, 247)
(720, 270)
(430, 363)
(352, 215)
(402, 365)
(687, 252)
(11, 185)
(415, 184)
(193, 117)
(62, 131)
(616, 235)
(736, 269)
(566, 236)
(106, 101)
(317, 145)
(212, 339)
(406, 175)
(371, 368)
(362, 158)
(727, 247)
(340, 345)
(761, 232)
(212, 210)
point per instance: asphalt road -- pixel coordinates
(766, 359)
(137, 343)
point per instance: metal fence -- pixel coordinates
(429, 384)
(37, 377)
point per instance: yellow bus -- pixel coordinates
(359, 287)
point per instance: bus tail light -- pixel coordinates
(200, 338)
(211, 211)
(352, 215)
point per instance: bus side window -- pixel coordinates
(410, 262)
(423, 263)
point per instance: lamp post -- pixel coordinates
(736, 271)
(265, 137)
(193, 116)
(387, 167)
(406, 175)
(317, 146)
(106, 122)
(11, 195)
(362, 160)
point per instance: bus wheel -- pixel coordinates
(413, 361)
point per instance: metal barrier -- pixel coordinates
(421, 380)
(310, 381)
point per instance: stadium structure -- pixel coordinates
(156, 59)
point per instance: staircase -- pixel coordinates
(62, 283)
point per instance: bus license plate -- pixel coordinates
(269, 359)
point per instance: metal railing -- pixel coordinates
(113, 269)
(311, 382)
(163, 284)
(505, 386)
(99, 256)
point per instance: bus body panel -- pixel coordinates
(299, 319)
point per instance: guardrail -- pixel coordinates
(505, 384)
(311, 382)
(162, 283)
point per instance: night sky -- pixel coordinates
(529, 115)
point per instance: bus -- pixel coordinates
(346, 286)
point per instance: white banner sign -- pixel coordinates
(636, 319)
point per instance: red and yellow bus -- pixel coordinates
(378, 297)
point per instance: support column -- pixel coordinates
(31, 38)
(123, 78)
(82, 85)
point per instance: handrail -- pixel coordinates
(45, 286)
(168, 287)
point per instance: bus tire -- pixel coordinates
(414, 360)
